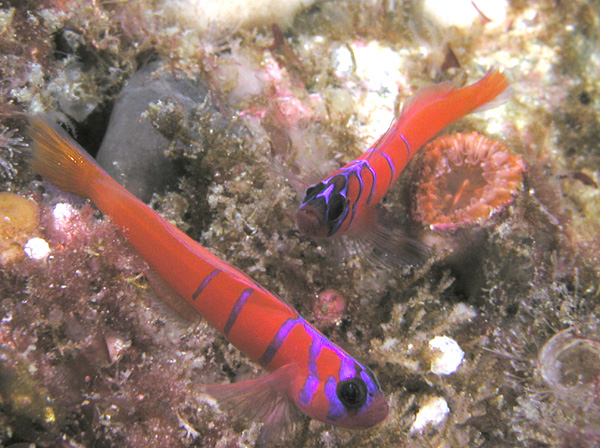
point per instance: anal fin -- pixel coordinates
(172, 298)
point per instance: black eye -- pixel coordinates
(312, 191)
(352, 393)
(336, 206)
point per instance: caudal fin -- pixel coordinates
(60, 160)
(433, 108)
(490, 91)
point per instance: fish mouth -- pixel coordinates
(309, 221)
(375, 413)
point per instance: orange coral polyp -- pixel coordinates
(466, 179)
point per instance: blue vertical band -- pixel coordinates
(205, 283)
(239, 304)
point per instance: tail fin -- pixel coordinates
(491, 90)
(464, 99)
(60, 160)
(433, 108)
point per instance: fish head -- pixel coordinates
(350, 398)
(324, 208)
(358, 402)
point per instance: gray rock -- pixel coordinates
(133, 150)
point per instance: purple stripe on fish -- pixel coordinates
(407, 145)
(205, 283)
(308, 390)
(315, 349)
(373, 183)
(352, 169)
(312, 380)
(370, 382)
(336, 408)
(239, 304)
(347, 369)
(360, 191)
(392, 168)
(278, 340)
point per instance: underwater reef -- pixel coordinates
(492, 341)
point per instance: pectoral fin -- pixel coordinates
(265, 399)
(387, 245)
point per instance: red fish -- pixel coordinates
(346, 201)
(308, 372)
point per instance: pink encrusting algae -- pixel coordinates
(465, 179)
(329, 308)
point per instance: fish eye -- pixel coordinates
(313, 190)
(336, 207)
(352, 393)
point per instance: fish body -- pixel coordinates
(308, 370)
(344, 202)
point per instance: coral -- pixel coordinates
(85, 350)
(465, 179)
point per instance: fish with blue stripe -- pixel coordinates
(346, 202)
(308, 372)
